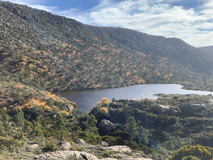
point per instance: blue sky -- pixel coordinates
(190, 20)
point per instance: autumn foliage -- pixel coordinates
(105, 101)
(104, 110)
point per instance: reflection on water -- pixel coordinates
(86, 100)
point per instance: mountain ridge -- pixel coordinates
(83, 53)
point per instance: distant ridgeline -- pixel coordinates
(208, 49)
(56, 53)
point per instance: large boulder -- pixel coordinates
(78, 141)
(106, 125)
(65, 145)
(163, 109)
(105, 144)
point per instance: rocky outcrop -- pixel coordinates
(65, 145)
(70, 108)
(60, 155)
(78, 141)
(118, 152)
(105, 144)
(106, 125)
(166, 110)
(210, 102)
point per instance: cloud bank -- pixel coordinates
(169, 18)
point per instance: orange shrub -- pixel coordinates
(47, 108)
(64, 112)
(104, 110)
(105, 101)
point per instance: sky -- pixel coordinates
(190, 20)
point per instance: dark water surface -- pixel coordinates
(86, 100)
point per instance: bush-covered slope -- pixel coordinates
(171, 121)
(63, 54)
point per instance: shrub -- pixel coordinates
(190, 158)
(76, 148)
(106, 154)
(104, 110)
(7, 142)
(47, 108)
(64, 112)
(204, 153)
(51, 146)
(105, 101)
(113, 140)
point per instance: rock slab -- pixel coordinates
(60, 155)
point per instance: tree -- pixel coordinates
(28, 127)
(131, 127)
(90, 124)
(18, 118)
(37, 128)
(2, 130)
(142, 135)
(4, 116)
(4, 119)
(136, 131)
(59, 122)
(43, 121)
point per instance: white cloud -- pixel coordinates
(38, 4)
(156, 17)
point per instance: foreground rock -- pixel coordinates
(117, 153)
(60, 155)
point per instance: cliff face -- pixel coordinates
(64, 54)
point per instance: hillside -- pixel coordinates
(55, 53)
(35, 124)
(168, 123)
(208, 49)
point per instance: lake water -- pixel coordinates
(86, 100)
